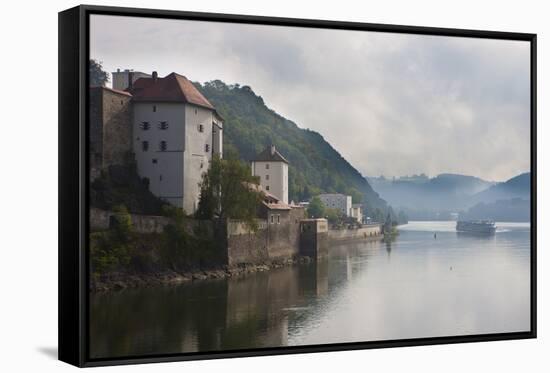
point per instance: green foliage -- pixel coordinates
(315, 166)
(402, 217)
(378, 216)
(122, 185)
(227, 191)
(111, 250)
(98, 76)
(182, 248)
(334, 216)
(316, 208)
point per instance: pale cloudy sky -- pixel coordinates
(391, 104)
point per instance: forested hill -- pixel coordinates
(315, 166)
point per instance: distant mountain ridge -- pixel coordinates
(517, 187)
(443, 192)
(314, 165)
(427, 198)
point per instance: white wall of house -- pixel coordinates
(273, 177)
(337, 201)
(174, 173)
(357, 213)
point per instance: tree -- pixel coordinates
(98, 76)
(111, 250)
(229, 191)
(316, 208)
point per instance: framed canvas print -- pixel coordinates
(237, 186)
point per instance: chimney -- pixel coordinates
(155, 76)
(272, 149)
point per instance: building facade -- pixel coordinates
(125, 79)
(357, 212)
(176, 131)
(337, 201)
(110, 129)
(272, 169)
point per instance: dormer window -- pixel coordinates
(200, 128)
(163, 125)
(145, 126)
(162, 146)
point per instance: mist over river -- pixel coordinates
(429, 282)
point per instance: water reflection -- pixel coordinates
(416, 286)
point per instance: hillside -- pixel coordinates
(517, 187)
(443, 192)
(315, 166)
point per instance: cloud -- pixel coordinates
(391, 104)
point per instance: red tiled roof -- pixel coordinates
(171, 88)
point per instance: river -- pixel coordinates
(429, 282)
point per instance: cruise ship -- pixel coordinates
(476, 226)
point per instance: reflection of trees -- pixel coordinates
(248, 312)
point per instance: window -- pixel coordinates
(155, 161)
(278, 219)
(195, 111)
(162, 146)
(267, 166)
(145, 146)
(145, 126)
(272, 219)
(160, 177)
(121, 102)
(201, 128)
(206, 148)
(163, 125)
(267, 177)
(267, 187)
(154, 108)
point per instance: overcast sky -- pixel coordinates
(391, 104)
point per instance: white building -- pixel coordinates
(337, 201)
(272, 169)
(175, 133)
(125, 79)
(357, 212)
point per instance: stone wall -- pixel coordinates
(244, 245)
(371, 231)
(314, 238)
(117, 128)
(110, 129)
(275, 239)
(101, 219)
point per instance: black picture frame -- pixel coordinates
(74, 189)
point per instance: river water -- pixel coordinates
(429, 282)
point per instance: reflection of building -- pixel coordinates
(357, 212)
(337, 201)
(272, 169)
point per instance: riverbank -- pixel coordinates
(116, 281)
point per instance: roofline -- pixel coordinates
(111, 90)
